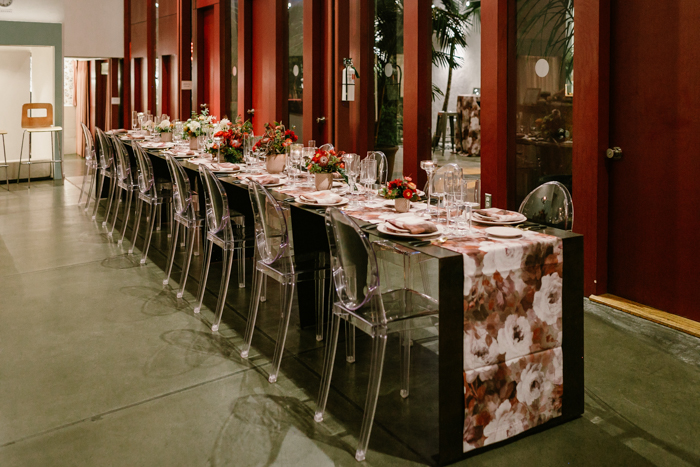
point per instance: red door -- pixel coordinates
(654, 212)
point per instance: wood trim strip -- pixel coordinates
(672, 321)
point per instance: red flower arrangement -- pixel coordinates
(232, 140)
(276, 139)
(401, 188)
(327, 162)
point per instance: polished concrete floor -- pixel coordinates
(100, 365)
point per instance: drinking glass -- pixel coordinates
(307, 154)
(429, 167)
(312, 143)
(217, 142)
(352, 170)
(201, 143)
(141, 116)
(472, 198)
(134, 120)
(295, 159)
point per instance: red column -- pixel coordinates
(417, 86)
(591, 130)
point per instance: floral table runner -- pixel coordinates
(513, 361)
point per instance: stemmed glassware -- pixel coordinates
(134, 120)
(307, 154)
(472, 195)
(177, 131)
(368, 176)
(352, 170)
(217, 141)
(294, 161)
(429, 167)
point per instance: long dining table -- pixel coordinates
(509, 354)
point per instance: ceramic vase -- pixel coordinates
(275, 163)
(193, 143)
(323, 181)
(402, 204)
(166, 137)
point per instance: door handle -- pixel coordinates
(614, 153)
(321, 120)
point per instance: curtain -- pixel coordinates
(81, 100)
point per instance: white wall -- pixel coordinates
(14, 76)
(94, 28)
(34, 11)
(43, 91)
(464, 79)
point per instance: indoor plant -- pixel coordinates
(273, 145)
(402, 191)
(323, 165)
(232, 137)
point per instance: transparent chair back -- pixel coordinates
(146, 178)
(550, 204)
(446, 177)
(121, 160)
(353, 262)
(382, 166)
(182, 193)
(89, 142)
(271, 234)
(216, 201)
(105, 155)
(327, 147)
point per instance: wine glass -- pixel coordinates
(134, 120)
(429, 167)
(306, 155)
(201, 143)
(295, 157)
(352, 170)
(472, 198)
(217, 142)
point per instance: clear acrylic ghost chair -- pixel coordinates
(550, 204)
(90, 165)
(327, 147)
(125, 181)
(148, 194)
(362, 303)
(105, 158)
(274, 258)
(225, 229)
(186, 214)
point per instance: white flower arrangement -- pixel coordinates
(164, 127)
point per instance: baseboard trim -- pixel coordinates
(678, 323)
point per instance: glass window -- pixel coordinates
(545, 64)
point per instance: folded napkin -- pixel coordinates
(184, 152)
(321, 197)
(264, 179)
(120, 131)
(412, 225)
(228, 166)
(497, 215)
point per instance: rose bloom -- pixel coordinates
(408, 194)
(547, 302)
(236, 144)
(529, 388)
(515, 337)
(412, 186)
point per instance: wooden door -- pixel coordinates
(654, 199)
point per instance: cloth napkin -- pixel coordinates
(321, 197)
(412, 225)
(120, 131)
(228, 166)
(183, 152)
(497, 215)
(264, 179)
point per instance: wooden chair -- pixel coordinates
(33, 125)
(4, 164)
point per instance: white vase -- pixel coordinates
(166, 137)
(402, 204)
(323, 181)
(275, 163)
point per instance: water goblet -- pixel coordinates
(429, 167)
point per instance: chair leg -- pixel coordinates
(223, 290)
(118, 201)
(320, 302)
(375, 379)
(405, 343)
(82, 185)
(263, 294)
(135, 234)
(349, 342)
(98, 194)
(186, 270)
(173, 249)
(282, 330)
(204, 277)
(127, 213)
(241, 265)
(112, 193)
(426, 277)
(149, 234)
(252, 311)
(91, 183)
(328, 362)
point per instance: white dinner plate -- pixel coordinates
(504, 232)
(513, 222)
(383, 229)
(342, 202)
